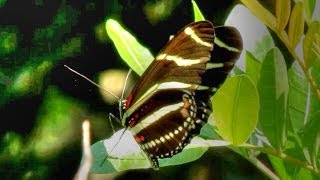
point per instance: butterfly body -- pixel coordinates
(171, 101)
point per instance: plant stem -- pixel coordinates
(262, 167)
(284, 156)
(257, 163)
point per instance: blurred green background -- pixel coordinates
(42, 104)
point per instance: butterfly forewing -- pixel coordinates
(184, 49)
(171, 101)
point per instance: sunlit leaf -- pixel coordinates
(296, 24)
(131, 51)
(8, 40)
(157, 11)
(197, 13)
(273, 92)
(299, 97)
(262, 13)
(127, 154)
(12, 146)
(256, 37)
(55, 124)
(236, 108)
(283, 8)
(311, 44)
(30, 79)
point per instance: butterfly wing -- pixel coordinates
(170, 103)
(182, 59)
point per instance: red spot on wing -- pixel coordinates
(139, 138)
(136, 116)
(132, 122)
(128, 102)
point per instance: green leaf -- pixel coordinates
(302, 173)
(12, 146)
(273, 92)
(30, 79)
(283, 8)
(299, 97)
(309, 6)
(253, 67)
(258, 44)
(208, 131)
(311, 132)
(191, 152)
(311, 44)
(127, 154)
(121, 151)
(236, 107)
(130, 50)
(57, 117)
(296, 24)
(279, 166)
(286, 170)
(197, 13)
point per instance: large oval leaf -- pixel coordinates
(236, 109)
(299, 97)
(273, 92)
(124, 153)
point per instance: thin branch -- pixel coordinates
(83, 171)
(262, 167)
(282, 155)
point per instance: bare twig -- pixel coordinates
(83, 171)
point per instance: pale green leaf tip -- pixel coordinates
(111, 23)
(197, 13)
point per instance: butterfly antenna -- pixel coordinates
(86, 78)
(122, 94)
(114, 146)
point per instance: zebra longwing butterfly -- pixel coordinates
(171, 101)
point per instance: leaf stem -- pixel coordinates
(282, 155)
(256, 162)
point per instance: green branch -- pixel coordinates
(284, 156)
